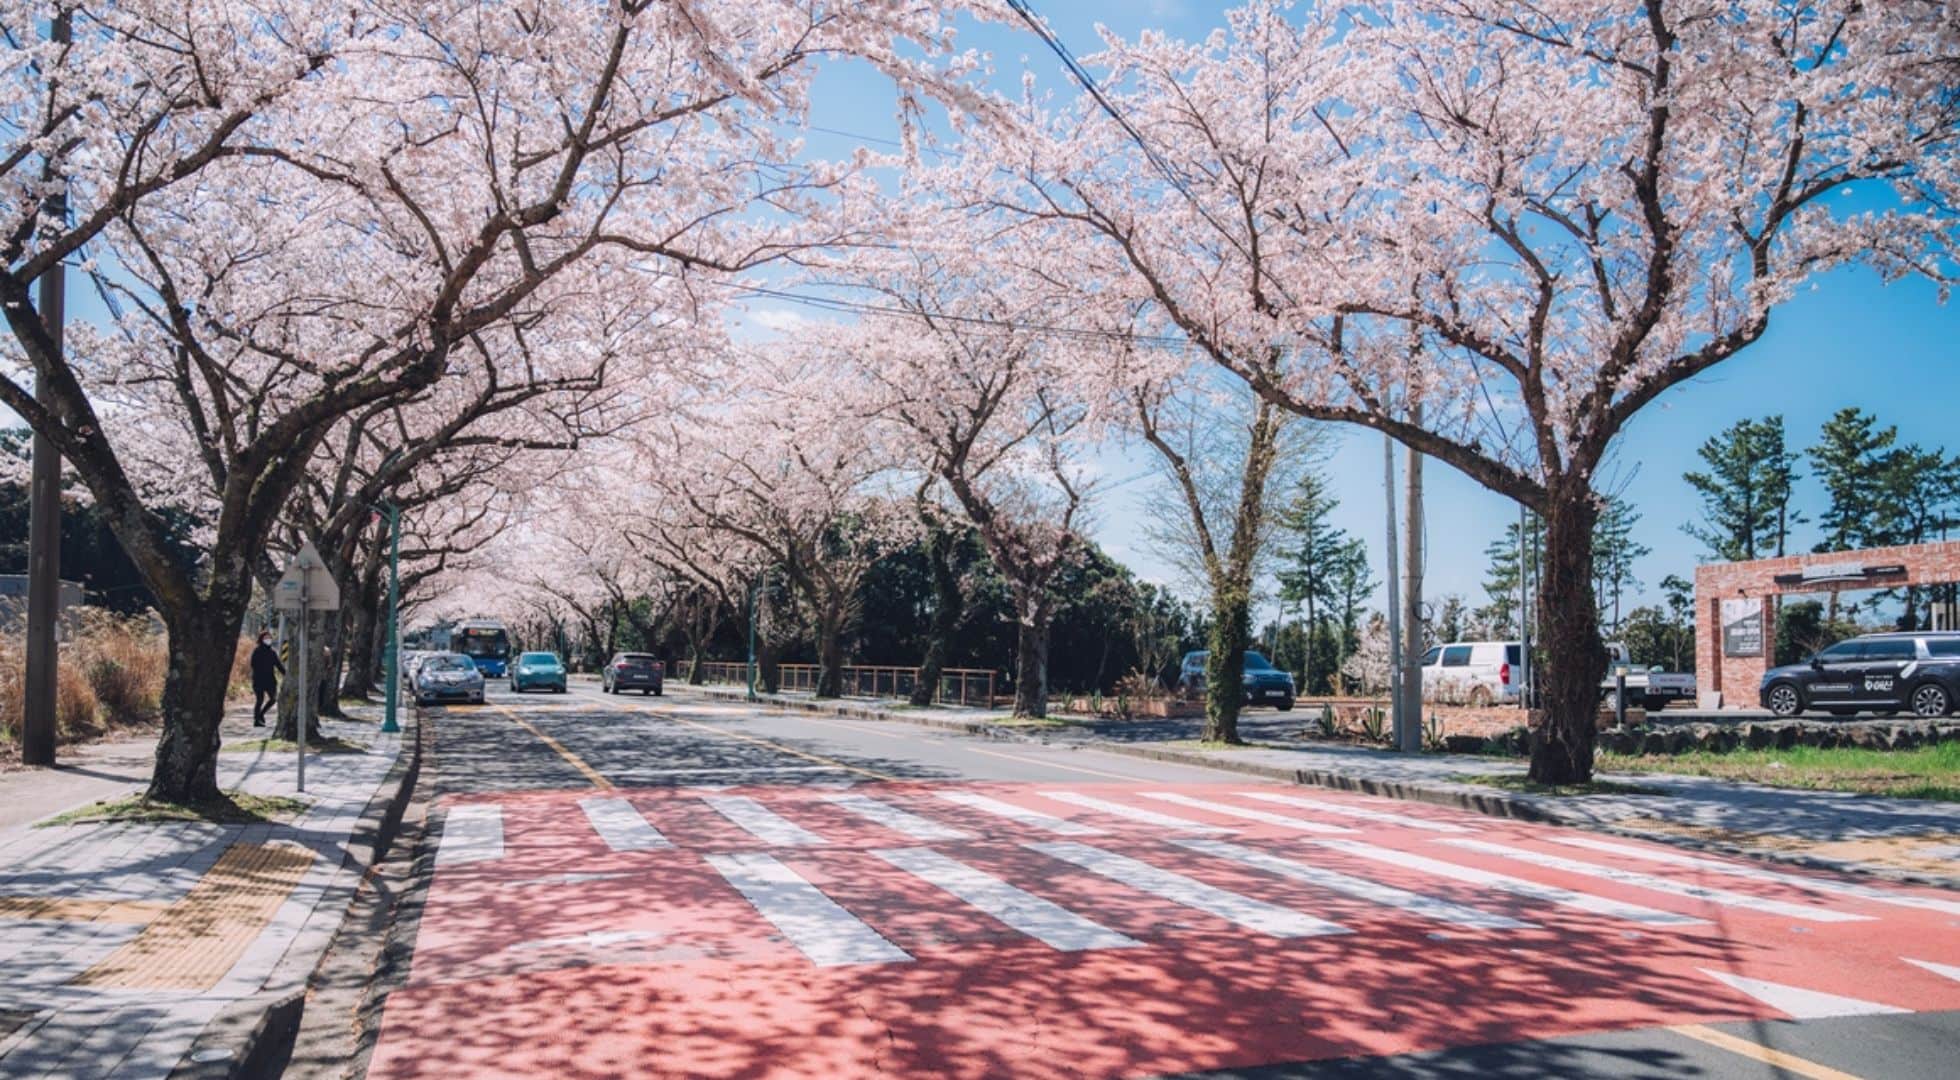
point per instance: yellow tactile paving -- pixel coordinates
(196, 940)
(128, 912)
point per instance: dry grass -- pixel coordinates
(76, 712)
(124, 660)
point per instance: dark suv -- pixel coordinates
(632, 671)
(1884, 673)
(1264, 683)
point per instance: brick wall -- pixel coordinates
(1731, 682)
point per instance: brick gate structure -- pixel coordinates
(1735, 625)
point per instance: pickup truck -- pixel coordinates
(1648, 688)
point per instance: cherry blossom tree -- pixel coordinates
(1498, 232)
(310, 209)
(983, 403)
(778, 469)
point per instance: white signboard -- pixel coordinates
(306, 575)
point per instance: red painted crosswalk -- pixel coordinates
(1095, 930)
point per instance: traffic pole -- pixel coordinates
(390, 721)
(303, 690)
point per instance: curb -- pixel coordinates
(1487, 803)
(253, 1036)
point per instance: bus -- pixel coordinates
(485, 642)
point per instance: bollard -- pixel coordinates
(1620, 697)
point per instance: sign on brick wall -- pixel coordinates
(1742, 627)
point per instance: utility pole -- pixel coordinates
(1394, 602)
(1525, 546)
(1408, 734)
(753, 585)
(37, 722)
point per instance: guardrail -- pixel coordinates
(957, 686)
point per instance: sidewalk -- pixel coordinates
(120, 943)
(1900, 839)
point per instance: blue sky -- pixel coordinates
(1850, 341)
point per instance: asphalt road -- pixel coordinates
(636, 886)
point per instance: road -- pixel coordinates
(635, 886)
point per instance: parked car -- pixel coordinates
(1264, 683)
(1882, 673)
(537, 671)
(1652, 688)
(1476, 673)
(633, 671)
(448, 677)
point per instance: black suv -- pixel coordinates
(1884, 673)
(1264, 683)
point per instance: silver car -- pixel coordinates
(448, 677)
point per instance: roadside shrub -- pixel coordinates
(123, 659)
(75, 705)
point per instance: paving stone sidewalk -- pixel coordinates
(1906, 839)
(120, 942)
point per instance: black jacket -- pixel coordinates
(265, 661)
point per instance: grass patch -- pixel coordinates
(323, 746)
(1929, 772)
(1524, 785)
(236, 808)
(1215, 744)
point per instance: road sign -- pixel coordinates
(306, 576)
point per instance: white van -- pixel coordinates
(1473, 673)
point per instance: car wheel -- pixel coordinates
(1610, 702)
(1931, 700)
(1653, 704)
(1285, 705)
(644, 691)
(1480, 697)
(1784, 700)
(656, 691)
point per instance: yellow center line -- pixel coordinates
(1051, 764)
(577, 762)
(1777, 1059)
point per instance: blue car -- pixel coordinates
(537, 671)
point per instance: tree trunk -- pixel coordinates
(200, 650)
(362, 644)
(1231, 631)
(769, 665)
(1568, 629)
(830, 649)
(1031, 660)
(697, 669)
(945, 616)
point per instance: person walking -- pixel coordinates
(265, 683)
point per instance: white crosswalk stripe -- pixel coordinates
(891, 817)
(761, 822)
(472, 834)
(1757, 873)
(1407, 821)
(819, 928)
(1047, 922)
(1133, 813)
(1048, 822)
(621, 825)
(1658, 884)
(1256, 915)
(1598, 905)
(1386, 895)
(1800, 1002)
(1247, 813)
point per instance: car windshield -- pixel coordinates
(542, 659)
(635, 658)
(448, 662)
(1256, 662)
